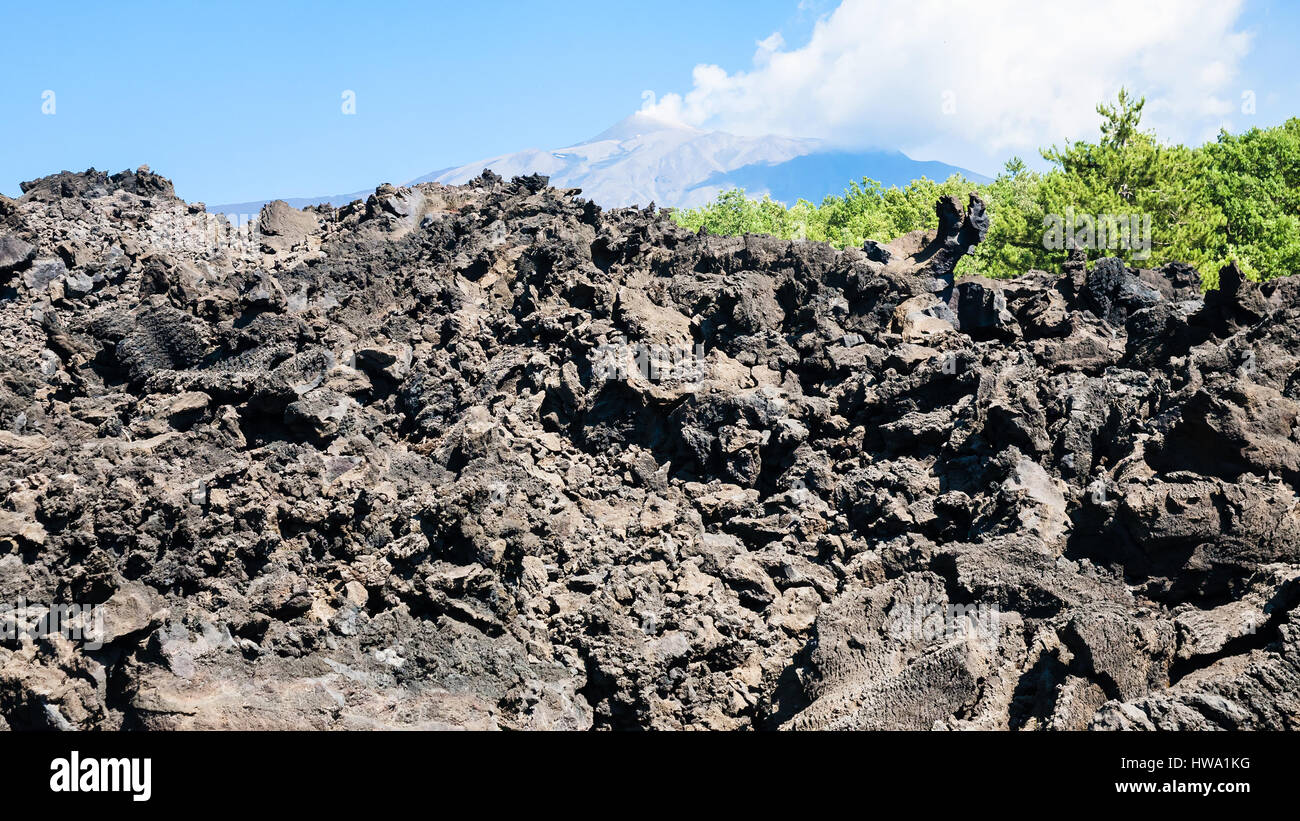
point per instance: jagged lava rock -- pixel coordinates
(489, 456)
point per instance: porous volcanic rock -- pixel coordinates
(491, 457)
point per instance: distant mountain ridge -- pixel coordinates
(642, 160)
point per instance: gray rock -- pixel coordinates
(14, 253)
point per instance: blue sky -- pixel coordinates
(240, 101)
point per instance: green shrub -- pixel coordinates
(1237, 198)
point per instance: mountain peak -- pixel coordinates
(638, 125)
(643, 158)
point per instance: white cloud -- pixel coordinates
(768, 47)
(1016, 75)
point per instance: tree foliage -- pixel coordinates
(1237, 198)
